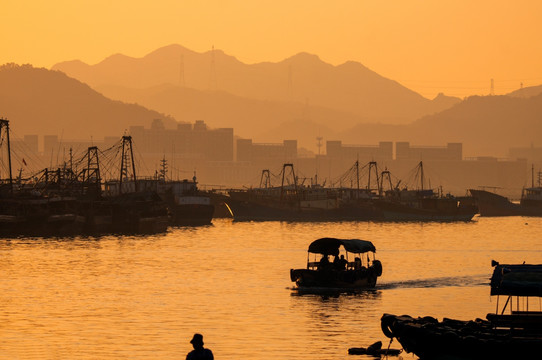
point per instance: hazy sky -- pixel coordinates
(430, 46)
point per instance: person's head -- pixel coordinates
(197, 341)
(342, 257)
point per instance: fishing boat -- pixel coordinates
(31, 210)
(293, 201)
(514, 331)
(118, 205)
(344, 272)
(422, 204)
(492, 204)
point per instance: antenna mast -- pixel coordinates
(127, 143)
(5, 123)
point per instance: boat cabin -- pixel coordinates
(521, 284)
(352, 251)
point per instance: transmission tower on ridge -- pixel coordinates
(212, 81)
(492, 89)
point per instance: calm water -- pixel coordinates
(144, 297)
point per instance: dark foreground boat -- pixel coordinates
(341, 273)
(514, 335)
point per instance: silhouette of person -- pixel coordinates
(199, 352)
(324, 263)
(357, 263)
(340, 264)
(336, 262)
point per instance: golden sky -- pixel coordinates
(430, 46)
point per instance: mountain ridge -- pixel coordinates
(45, 102)
(350, 87)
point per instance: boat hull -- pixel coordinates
(253, 211)
(491, 204)
(332, 279)
(191, 214)
(394, 211)
(454, 339)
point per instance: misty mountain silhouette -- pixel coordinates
(251, 118)
(45, 102)
(349, 88)
(527, 92)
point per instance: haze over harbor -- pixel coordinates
(272, 176)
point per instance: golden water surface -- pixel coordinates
(144, 297)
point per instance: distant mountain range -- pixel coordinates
(40, 101)
(45, 102)
(350, 93)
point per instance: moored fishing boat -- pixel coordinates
(292, 201)
(341, 273)
(492, 204)
(423, 204)
(513, 335)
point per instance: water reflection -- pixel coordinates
(140, 297)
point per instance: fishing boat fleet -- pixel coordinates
(78, 199)
(381, 200)
(82, 198)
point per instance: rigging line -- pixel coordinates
(18, 143)
(140, 159)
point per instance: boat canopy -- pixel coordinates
(517, 280)
(330, 246)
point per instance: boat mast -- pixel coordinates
(127, 142)
(385, 174)
(91, 175)
(163, 168)
(291, 166)
(357, 178)
(421, 173)
(265, 179)
(5, 123)
(373, 164)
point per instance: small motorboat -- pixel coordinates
(512, 332)
(344, 272)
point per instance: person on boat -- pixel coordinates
(199, 352)
(339, 263)
(324, 263)
(357, 263)
(343, 263)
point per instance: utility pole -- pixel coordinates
(319, 145)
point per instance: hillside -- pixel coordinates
(251, 118)
(526, 92)
(41, 101)
(349, 88)
(487, 126)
